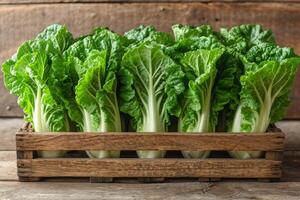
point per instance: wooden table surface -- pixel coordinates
(11, 189)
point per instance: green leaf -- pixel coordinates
(243, 37)
(184, 31)
(264, 94)
(140, 33)
(190, 38)
(101, 39)
(148, 35)
(150, 85)
(267, 51)
(58, 37)
(96, 93)
(27, 76)
(54, 113)
(78, 59)
(201, 68)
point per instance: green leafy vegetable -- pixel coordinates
(92, 64)
(96, 95)
(235, 80)
(203, 39)
(150, 85)
(149, 35)
(201, 70)
(265, 87)
(26, 75)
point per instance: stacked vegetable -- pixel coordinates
(234, 80)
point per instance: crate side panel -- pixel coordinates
(147, 141)
(213, 168)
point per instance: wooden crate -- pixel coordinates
(31, 168)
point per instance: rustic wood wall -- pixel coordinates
(23, 19)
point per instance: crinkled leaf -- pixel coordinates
(264, 94)
(150, 36)
(243, 37)
(197, 107)
(27, 74)
(96, 93)
(150, 85)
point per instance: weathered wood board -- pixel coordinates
(174, 191)
(9, 127)
(8, 166)
(292, 136)
(20, 22)
(129, 1)
(126, 167)
(147, 141)
(291, 166)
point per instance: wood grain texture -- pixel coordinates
(8, 128)
(26, 155)
(273, 155)
(291, 166)
(174, 191)
(150, 141)
(22, 22)
(8, 167)
(129, 1)
(81, 167)
(292, 130)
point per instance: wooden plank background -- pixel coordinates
(20, 21)
(126, 1)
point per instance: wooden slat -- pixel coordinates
(150, 141)
(26, 155)
(8, 128)
(231, 168)
(292, 137)
(22, 22)
(129, 1)
(291, 166)
(8, 166)
(273, 155)
(174, 191)
(293, 111)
